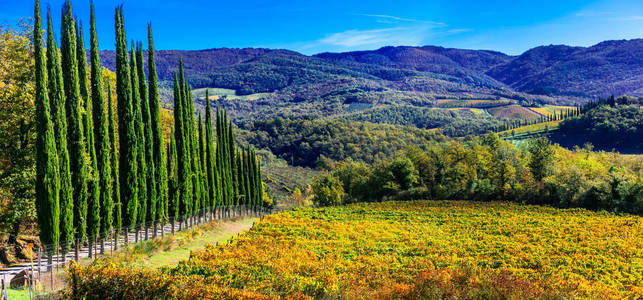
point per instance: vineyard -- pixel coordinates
(420, 249)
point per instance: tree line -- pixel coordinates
(98, 170)
(488, 168)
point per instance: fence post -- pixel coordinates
(3, 291)
(51, 278)
(57, 257)
(39, 258)
(90, 241)
(115, 239)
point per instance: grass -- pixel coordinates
(18, 294)
(408, 250)
(171, 249)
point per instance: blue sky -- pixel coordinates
(344, 25)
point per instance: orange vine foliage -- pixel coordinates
(407, 250)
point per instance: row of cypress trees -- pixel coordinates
(204, 174)
(84, 187)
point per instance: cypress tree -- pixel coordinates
(47, 176)
(101, 132)
(252, 179)
(191, 142)
(244, 177)
(140, 140)
(58, 115)
(172, 185)
(157, 133)
(205, 195)
(149, 140)
(128, 154)
(209, 155)
(239, 177)
(184, 182)
(258, 182)
(231, 156)
(93, 188)
(116, 195)
(75, 129)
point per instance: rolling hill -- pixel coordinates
(369, 85)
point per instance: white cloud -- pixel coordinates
(627, 19)
(412, 35)
(394, 19)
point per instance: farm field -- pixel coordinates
(217, 93)
(532, 128)
(549, 110)
(513, 112)
(416, 249)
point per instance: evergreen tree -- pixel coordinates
(128, 154)
(209, 155)
(47, 176)
(172, 176)
(149, 140)
(191, 142)
(184, 181)
(75, 129)
(58, 115)
(140, 139)
(116, 195)
(246, 177)
(157, 133)
(258, 182)
(101, 132)
(205, 195)
(239, 178)
(231, 157)
(93, 188)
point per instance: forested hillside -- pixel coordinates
(402, 85)
(606, 127)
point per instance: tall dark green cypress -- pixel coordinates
(58, 115)
(209, 154)
(75, 129)
(47, 176)
(246, 177)
(191, 145)
(116, 195)
(184, 181)
(128, 154)
(157, 133)
(101, 131)
(93, 187)
(257, 181)
(172, 176)
(251, 179)
(149, 140)
(140, 139)
(231, 157)
(205, 195)
(239, 177)
(224, 159)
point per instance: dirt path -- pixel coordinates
(174, 249)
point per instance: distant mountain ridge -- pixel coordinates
(558, 71)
